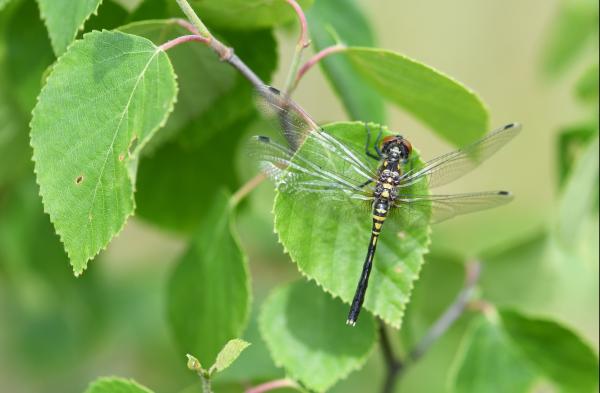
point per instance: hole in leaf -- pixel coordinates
(79, 179)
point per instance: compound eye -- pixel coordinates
(407, 146)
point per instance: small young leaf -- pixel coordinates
(306, 333)
(489, 363)
(209, 290)
(328, 239)
(557, 352)
(453, 111)
(247, 14)
(64, 18)
(102, 102)
(230, 353)
(116, 385)
(348, 22)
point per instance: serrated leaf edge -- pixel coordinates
(329, 291)
(80, 28)
(138, 149)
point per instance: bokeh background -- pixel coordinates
(58, 332)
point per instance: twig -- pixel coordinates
(180, 40)
(224, 52)
(272, 385)
(191, 15)
(455, 310)
(247, 188)
(303, 43)
(314, 60)
(393, 364)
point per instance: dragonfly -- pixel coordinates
(306, 161)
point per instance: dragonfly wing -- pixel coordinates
(449, 167)
(297, 127)
(295, 173)
(444, 207)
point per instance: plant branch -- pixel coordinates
(452, 313)
(224, 52)
(393, 364)
(272, 385)
(303, 43)
(314, 60)
(206, 385)
(180, 40)
(249, 186)
(192, 17)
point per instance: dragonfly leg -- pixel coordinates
(368, 144)
(379, 153)
(365, 183)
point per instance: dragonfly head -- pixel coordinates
(396, 148)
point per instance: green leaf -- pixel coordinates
(246, 14)
(579, 198)
(488, 362)
(230, 353)
(571, 144)
(573, 28)
(587, 86)
(347, 21)
(328, 240)
(450, 109)
(116, 385)
(103, 101)
(24, 68)
(197, 67)
(209, 290)
(64, 19)
(556, 351)
(171, 191)
(306, 333)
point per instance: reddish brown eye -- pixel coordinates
(387, 139)
(407, 145)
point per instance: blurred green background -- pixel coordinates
(58, 332)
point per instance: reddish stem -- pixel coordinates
(277, 384)
(180, 40)
(186, 25)
(316, 58)
(303, 41)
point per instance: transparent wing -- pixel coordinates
(308, 159)
(295, 173)
(444, 207)
(449, 167)
(297, 126)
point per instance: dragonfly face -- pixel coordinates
(396, 148)
(307, 161)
